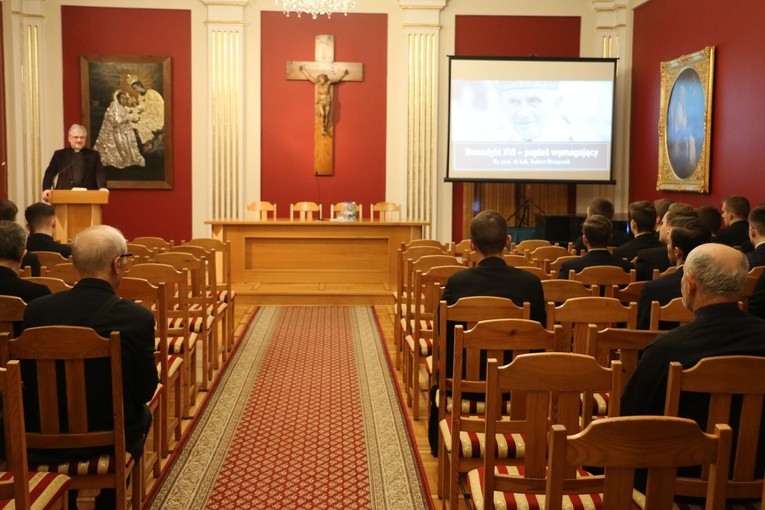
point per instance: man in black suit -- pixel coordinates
(657, 258)
(605, 208)
(687, 233)
(756, 256)
(711, 287)
(76, 166)
(8, 211)
(642, 225)
(99, 254)
(41, 222)
(735, 211)
(12, 240)
(711, 217)
(596, 232)
(491, 277)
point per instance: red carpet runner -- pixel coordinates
(306, 417)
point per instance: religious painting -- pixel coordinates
(685, 122)
(126, 107)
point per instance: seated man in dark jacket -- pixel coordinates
(596, 232)
(8, 212)
(642, 223)
(41, 222)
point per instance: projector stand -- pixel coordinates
(524, 211)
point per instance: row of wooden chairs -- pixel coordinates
(309, 211)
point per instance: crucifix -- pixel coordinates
(324, 73)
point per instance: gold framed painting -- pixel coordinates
(685, 122)
(126, 107)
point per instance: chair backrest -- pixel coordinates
(222, 251)
(65, 271)
(604, 277)
(177, 288)
(576, 313)
(11, 311)
(202, 253)
(347, 211)
(423, 264)
(53, 284)
(674, 311)
(628, 294)
(446, 248)
(141, 252)
(657, 274)
(529, 244)
(261, 210)
(385, 212)
(546, 253)
(556, 264)
(623, 344)
(50, 258)
(515, 260)
(736, 389)
(659, 444)
(748, 290)
(462, 248)
(756, 271)
(558, 291)
(156, 243)
(198, 272)
(537, 271)
(549, 387)
(306, 211)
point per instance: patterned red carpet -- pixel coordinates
(306, 416)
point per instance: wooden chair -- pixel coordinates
(659, 444)
(515, 260)
(459, 429)
(558, 291)
(604, 277)
(65, 271)
(623, 344)
(181, 341)
(20, 488)
(419, 344)
(202, 317)
(545, 389)
(72, 346)
(556, 264)
(51, 258)
(748, 290)
(674, 312)
(576, 313)
(261, 210)
(385, 212)
(658, 274)
(461, 249)
(141, 253)
(756, 271)
(735, 388)
(225, 292)
(343, 208)
(628, 294)
(54, 284)
(11, 313)
(538, 272)
(169, 366)
(307, 211)
(445, 248)
(539, 255)
(155, 243)
(528, 244)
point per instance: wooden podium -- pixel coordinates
(76, 210)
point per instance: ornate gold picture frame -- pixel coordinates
(685, 122)
(126, 107)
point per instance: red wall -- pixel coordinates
(511, 36)
(667, 29)
(288, 109)
(137, 32)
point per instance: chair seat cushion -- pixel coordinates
(175, 344)
(469, 406)
(96, 465)
(510, 501)
(473, 444)
(425, 344)
(226, 295)
(429, 365)
(44, 489)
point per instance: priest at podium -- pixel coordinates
(75, 166)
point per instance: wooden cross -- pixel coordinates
(324, 73)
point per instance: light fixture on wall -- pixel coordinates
(315, 8)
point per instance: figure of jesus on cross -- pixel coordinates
(324, 72)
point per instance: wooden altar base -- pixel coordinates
(315, 293)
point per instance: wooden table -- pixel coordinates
(315, 252)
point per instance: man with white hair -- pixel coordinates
(75, 166)
(100, 255)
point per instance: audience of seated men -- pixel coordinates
(735, 211)
(8, 212)
(491, 277)
(99, 255)
(41, 222)
(714, 275)
(711, 217)
(686, 234)
(605, 208)
(657, 258)
(12, 240)
(642, 224)
(756, 256)
(596, 231)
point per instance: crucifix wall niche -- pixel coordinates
(324, 73)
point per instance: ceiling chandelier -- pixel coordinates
(315, 8)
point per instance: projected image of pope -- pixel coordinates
(532, 109)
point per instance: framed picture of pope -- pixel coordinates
(126, 107)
